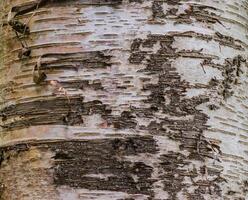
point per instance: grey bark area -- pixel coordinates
(123, 100)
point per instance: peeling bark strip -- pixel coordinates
(75, 60)
(141, 100)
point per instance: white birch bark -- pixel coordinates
(142, 100)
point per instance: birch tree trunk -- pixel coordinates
(124, 100)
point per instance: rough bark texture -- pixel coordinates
(124, 100)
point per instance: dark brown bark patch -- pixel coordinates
(31, 6)
(10, 151)
(184, 122)
(168, 96)
(175, 172)
(76, 161)
(51, 111)
(232, 70)
(200, 13)
(98, 164)
(76, 61)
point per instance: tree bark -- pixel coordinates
(123, 100)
